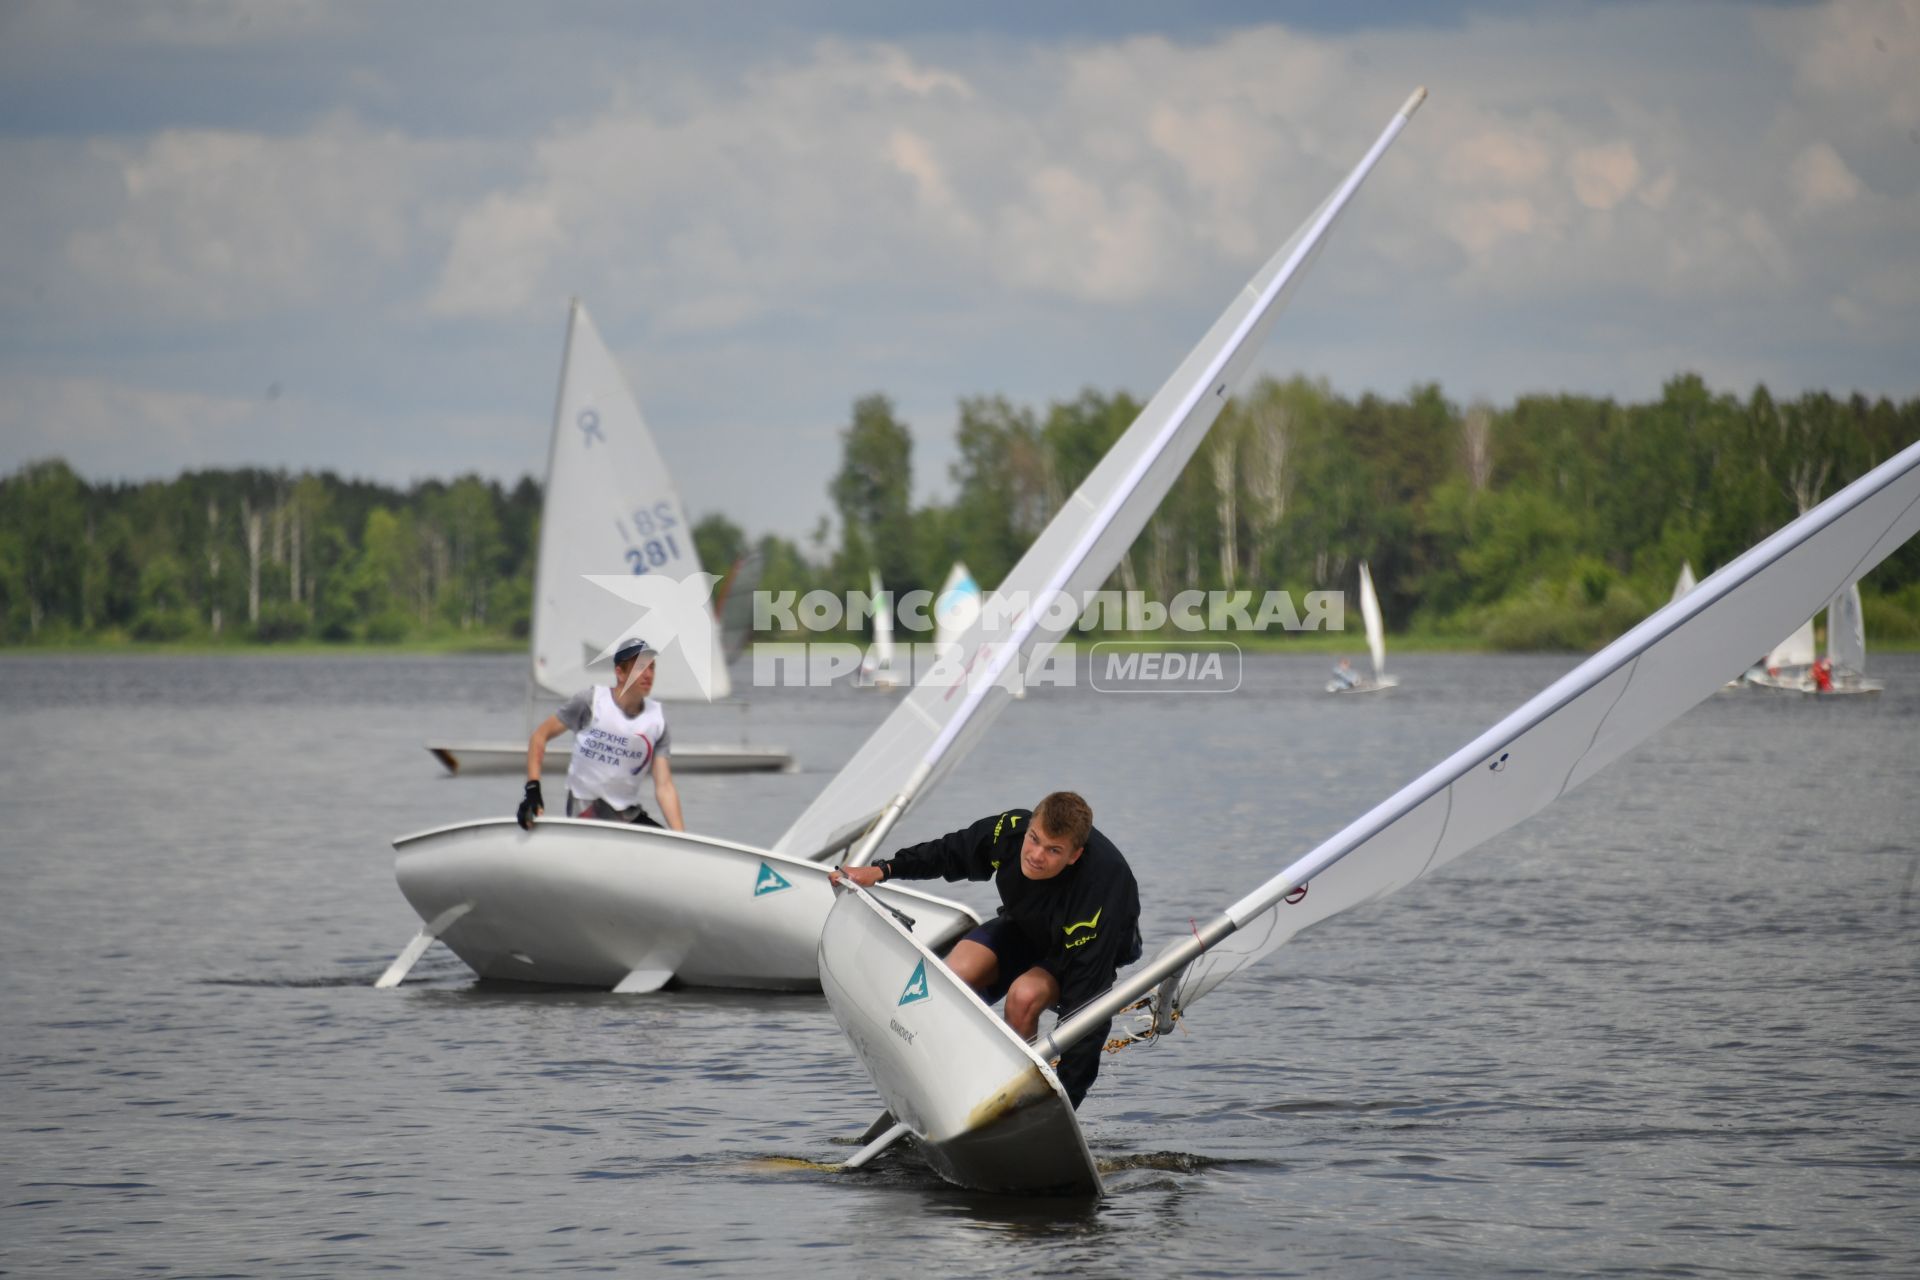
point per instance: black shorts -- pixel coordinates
(600, 809)
(1013, 954)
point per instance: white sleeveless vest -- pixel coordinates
(613, 754)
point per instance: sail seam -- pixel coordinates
(1594, 737)
(1440, 839)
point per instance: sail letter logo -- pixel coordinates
(916, 985)
(769, 881)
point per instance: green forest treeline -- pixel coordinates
(1554, 523)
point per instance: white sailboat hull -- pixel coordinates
(509, 757)
(987, 1111)
(1792, 680)
(592, 904)
(1844, 685)
(1364, 686)
(1861, 688)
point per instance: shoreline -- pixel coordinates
(1308, 643)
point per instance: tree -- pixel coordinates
(719, 542)
(1002, 502)
(44, 508)
(872, 492)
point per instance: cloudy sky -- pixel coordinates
(344, 235)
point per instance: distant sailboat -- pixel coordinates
(877, 669)
(1344, 681)
(957, 606)
(1788, 667)
(610, 508)
(1846, 649)
(1684, 583)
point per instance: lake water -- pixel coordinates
(1672, 1025)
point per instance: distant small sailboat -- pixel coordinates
(1788, 667)
(1344, 681)
(877, 670)
(1846, 662)
(1684, 583)
(957, 606)
(610, 508)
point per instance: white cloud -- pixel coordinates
(1864, 53)
(1481, 225)
(1497, 156)
(221, 224)
(497, 262)
(1821, 179)
(1603, 176)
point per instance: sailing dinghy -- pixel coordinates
(1847, 649)
(610, 508)
(1376, 643)
(1788, 667)
(1685, 582)
(973, 1108)
(988, 1112)
(877, 670)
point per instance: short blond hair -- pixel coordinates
(1066, 817)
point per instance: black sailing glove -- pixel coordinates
(532, 806)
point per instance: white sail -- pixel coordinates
(946, 711)
(1795, 651)
(1376, 629)
(957, 607)
(610, 508)
(1684, 583)
(1579, 724)
(1847, 632)
(877, 668)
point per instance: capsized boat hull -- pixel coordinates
(593, 904)
(988, 1113)
(507, 757)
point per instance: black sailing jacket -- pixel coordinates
(1083, 923)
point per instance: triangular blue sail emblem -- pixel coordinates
(770, 881)
(916, 985)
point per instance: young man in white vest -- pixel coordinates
(619, 734)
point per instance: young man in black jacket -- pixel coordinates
(1069, 915)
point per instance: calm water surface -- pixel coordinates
(1670, 1026)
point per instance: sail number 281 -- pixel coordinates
(655, 544)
